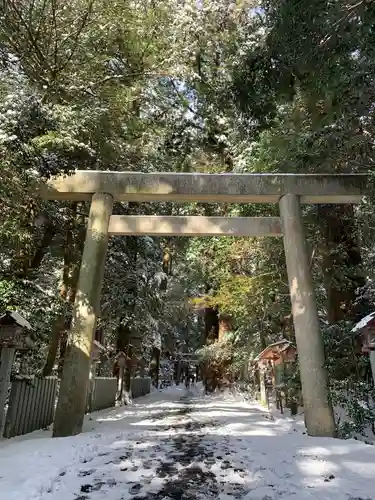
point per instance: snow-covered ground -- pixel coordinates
(179, 445)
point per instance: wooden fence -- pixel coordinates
(140, 386)
(31, 406)
(104, 393)
(32, 402)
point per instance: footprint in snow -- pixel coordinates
(84, 473)
(135, 489)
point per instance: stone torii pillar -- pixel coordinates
(318, 411)
(71, 404)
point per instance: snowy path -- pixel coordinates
(178, 445)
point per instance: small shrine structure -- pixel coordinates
(365, 330)
(274, 364)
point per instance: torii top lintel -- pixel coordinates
(209, 188)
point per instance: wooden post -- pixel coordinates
(178, 372)
(120, 397)
(155, 366)
(317, 406)
(91, 389)
(128, 374)
(372, 364)
(262, 386)
(7, 357)
(71, 404)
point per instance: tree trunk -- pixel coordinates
(342, 262)
(77, 244)
(59, 323)
(123, 337)
(123, 340)
(225, 326)
(72, 254)
(211, 323)
(177, 371)
(210, 334)
(128, 372)
(57, 328)
(155, 366)
(32, 263)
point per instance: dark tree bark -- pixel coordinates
(73, 247)
(128, 370)
(123, 344)
(155, 366)
(211, 323)
(167, 262)
(123, 336)
(60, 322)
(36, 260)
(78, 244)
(177, 371)
(57, 329)
(342, 263)
(27, 261)
(210, 334)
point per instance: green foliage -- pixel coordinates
(355, 408)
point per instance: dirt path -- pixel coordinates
(186, 469)
(179, 464)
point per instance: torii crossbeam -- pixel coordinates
(208, 188)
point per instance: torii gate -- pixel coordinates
(288, 190)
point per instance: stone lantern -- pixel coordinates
(14, 334)
(14, 331)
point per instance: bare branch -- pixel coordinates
(350, 12)
(41, 57)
